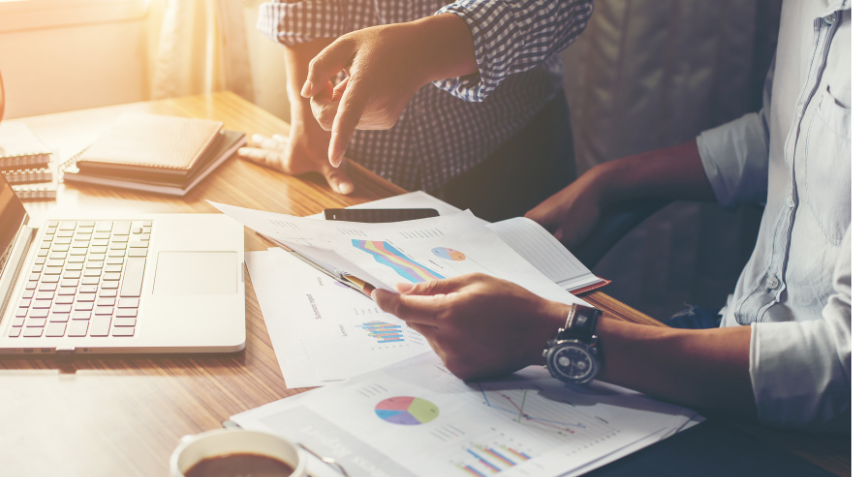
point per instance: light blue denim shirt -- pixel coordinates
(794, 156)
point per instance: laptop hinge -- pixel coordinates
(16, 260)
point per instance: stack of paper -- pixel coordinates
(416, 419)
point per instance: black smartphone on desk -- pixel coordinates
(375, 216)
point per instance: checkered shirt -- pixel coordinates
(454, 124)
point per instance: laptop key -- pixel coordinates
(108, 293)
(64, 300)
(71, 274)
(137, 252)
(17, 322)
(101, 249)
(111, 276)
(83, 306)
(89, 272)
(119, 253)
(80, 244)
(25, 303)
(120, 239)
(103, 226)
(61, 248)
(110, 285)
(86, 297)
(28, 294)
(75, 267)
(41, 304)
(128, 303)
(44, 295)
(45, 244)
(79, 251)
(138, 244)
(90, 280)
(103, 310)
(21, 312)
(38, 313)
(52, 270)
(91, 264)
(76, 259)
(119, 246)
(121, 228)
(50, 279)
(31, 285)
(81, 315)
(145, 237)
(106, 302)
(133, 274)
(14, 332)
(63, 317)
(55, 330)
(113, 268)
(36, 322)
(40, 260)
(66, 290)
(101, 235)
(37, 268)
(33, 332)
(125, 312)
(62, 240)
(100, 242)
(68, 282)
(123, 331)
(78, 328)
(88, 288)
(99, 326)
(66, 225)
(35, 276)
(121, 322)
(43, 253)
(61, 309)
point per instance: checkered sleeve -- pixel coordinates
(513, 36)
(293, 23)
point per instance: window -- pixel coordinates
(17, 15)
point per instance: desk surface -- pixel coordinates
(123, 415)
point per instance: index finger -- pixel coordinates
(348, 115)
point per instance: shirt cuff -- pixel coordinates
(797, 376)
(294, 23)
(476, 87)
(735, 157)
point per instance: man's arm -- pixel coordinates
(671, 173)
(482, 326)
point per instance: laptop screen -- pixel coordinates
(12, 217)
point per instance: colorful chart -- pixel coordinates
(389, 256)
(448, 254)
(406, 411)
(494, 459)
(383, 332)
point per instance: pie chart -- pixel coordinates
(406, 410)
(448, 254)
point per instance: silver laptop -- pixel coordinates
(167, 283)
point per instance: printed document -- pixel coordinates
(323, 331)
(416, 419)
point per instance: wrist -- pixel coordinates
(445, 47)
(549, 319)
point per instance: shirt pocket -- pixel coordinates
(828, 167)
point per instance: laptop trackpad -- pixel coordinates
(196, 273)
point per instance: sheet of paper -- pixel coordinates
(527, 238)
(415, 418)
(414, 251)
(321, 330)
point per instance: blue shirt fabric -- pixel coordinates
(453, 125)
(794, 156)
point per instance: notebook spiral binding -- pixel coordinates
(69, 163)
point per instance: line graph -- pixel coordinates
(528, 408)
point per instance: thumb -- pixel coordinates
(338, 179)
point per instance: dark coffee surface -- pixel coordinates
(240, 465)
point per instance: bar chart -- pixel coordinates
(383, 332)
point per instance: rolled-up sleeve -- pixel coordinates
(800, 370)
(735, 155)
(513, 36)
(301, 22)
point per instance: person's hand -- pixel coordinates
(385, 66)
(479, 325)
(302, 152)
(572, 213)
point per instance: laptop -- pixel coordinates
(164, 283)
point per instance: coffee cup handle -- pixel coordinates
(327, 460)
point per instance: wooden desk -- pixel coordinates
(123, 415)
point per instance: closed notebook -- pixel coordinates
(20, 148)
(150, 144)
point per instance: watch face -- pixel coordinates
(574, 362)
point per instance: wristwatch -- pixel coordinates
(573, 355)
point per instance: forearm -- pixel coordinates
(698, 368)
(671, 173)
(297, 61)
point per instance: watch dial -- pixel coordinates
(573, 362)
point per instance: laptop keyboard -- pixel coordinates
(86, 281)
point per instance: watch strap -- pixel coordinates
(581, 323)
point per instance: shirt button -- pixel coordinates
(790, 202)
(830, 19)
(773, 282)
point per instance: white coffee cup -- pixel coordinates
(221, 442)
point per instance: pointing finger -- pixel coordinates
(348, 115)
(338, 179)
